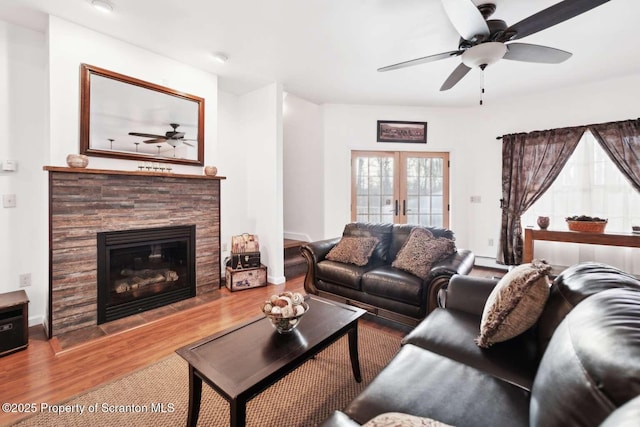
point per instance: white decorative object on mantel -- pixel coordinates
(77, 160)
(210, 170)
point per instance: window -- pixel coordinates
(589, 184)
(401, 187)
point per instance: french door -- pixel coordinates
(400, 187)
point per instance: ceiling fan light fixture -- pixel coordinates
(484, 54)
(102, 5)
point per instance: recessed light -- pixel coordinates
(102, 5)
(220, 57)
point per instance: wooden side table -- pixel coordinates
(14, 322)
(607, 239)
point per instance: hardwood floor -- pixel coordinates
(42, 374)
(45, 373)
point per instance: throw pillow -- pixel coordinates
(421, 251)
(515, 304)
(353, 250)
(398, 419)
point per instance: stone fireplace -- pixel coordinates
(87, 205)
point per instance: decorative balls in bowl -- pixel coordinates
(285, 310)
(584, 223)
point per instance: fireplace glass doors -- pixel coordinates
(139, 270)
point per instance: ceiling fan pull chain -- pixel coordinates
(482, 67)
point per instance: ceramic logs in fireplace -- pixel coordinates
(139, 270)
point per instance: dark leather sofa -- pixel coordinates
(578, 366)
(377, 287)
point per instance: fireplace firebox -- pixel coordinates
(139, 270)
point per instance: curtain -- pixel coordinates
(621, 141)
(530, 164)
(589, 184)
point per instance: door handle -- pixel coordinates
(404, 207)
(397, 207)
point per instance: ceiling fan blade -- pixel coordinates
(146, 135)
(466, 18)
(187, 143)
(423, 60)
(457, 75)
(535, 53)
(156, 140)
(549, 17)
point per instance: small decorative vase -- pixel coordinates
(543, 222)
(77, 161)
(210, 170)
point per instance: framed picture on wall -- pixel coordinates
(398, 131)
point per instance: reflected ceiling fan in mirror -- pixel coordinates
(172, 137)
(485, 41)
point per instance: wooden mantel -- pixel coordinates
(122, 172)
(607, 239)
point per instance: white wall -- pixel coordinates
(303, 172)
(70, 45)
(606, 101)
(261, 131)
(353, 127)
(469, 134)
(231, 163)
(23, 229)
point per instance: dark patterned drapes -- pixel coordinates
(530, 164)
(621, 141)
(532, 161)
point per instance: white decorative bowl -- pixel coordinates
(77, 161)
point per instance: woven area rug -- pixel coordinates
(158, 395)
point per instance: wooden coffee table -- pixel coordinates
(241, 362)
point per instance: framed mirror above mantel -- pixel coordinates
(127, 118)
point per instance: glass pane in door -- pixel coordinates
(374, 185)
(425, 190)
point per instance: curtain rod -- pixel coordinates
(638, 119)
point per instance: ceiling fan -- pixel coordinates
(172, 137)
(485, 41)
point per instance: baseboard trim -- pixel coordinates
(276, 280)
(297, 236)
(488, 262)
(37, 320)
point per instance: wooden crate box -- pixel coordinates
(246, 278)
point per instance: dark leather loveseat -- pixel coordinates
(578, 366)
(378, 287)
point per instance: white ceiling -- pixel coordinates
(327, 51)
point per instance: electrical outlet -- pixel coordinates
(25, 280)
(490, 242)
(476, 199)
(9, 200)
(224, 247)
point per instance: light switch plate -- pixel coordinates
(9, 166)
